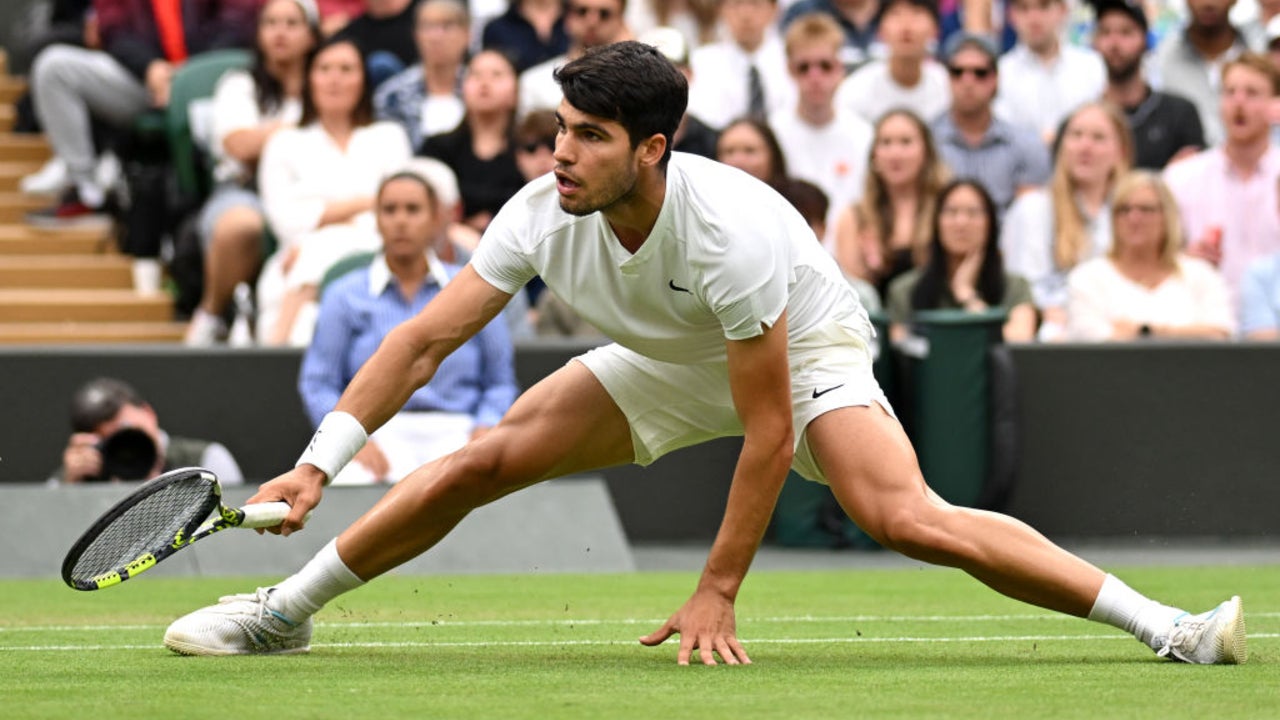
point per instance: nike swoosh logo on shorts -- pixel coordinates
(819, 393)
(672, 284)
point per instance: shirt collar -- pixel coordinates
(380, 273)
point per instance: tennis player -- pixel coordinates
(728, 320)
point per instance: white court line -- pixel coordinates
(589, 622)
(598, 643)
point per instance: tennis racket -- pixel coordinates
(158, 519)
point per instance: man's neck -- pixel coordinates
(1128, 93)
(440, 79)
(1211, 42)
(906, 72)
(973, 125)
(633, 219)
(858, 12)
(1245, 157)
(1048, 52)
(817, 115)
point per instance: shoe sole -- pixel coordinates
(1232, 639)
(190, 649)
(77, 222)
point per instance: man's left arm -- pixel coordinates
(760, 381)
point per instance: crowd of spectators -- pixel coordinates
(1101, 169)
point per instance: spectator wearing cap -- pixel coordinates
(857, 19)
(1165, 126)
(908, 78)
(1188, 62)
(1005, 159)
(745, 74)
(101, 409)
(692, 135)
(823, 144)
(1227, 194)
(1044, 79)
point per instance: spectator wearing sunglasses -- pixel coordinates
(823, 144)
(589, 24)
(1045, 79)
(1005, 159)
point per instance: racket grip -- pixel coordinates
(263, 515)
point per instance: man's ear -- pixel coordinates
(651, 149)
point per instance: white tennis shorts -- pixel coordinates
(670, 406)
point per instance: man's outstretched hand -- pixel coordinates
(301, 487)
(705, 623)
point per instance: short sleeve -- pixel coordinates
(745, 278)
(234, 107)
(498, 258)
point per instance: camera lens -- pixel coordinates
(128, 454)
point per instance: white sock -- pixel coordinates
(324, 578)
(1123, 607)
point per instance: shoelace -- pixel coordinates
(259, 596)
(1184, 632)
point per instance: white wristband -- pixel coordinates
(337, 440)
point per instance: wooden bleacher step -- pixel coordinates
(92, 332)
(8, 118)
(11, 173)
(11, 89)
(14, 206)
(17, 239)
(26, 305)
(66, 271)
(24, 148)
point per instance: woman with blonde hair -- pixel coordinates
(887, 232)
(1146, 286)
(1048, 232)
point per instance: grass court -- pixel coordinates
(896, 643)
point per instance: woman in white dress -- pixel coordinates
(1146, 286)
(318, 183)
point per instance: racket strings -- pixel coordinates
(146, 527)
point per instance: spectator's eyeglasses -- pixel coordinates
(1139, 208)
(804, 66)
(533, 146)
(978, 73)
(581, 11)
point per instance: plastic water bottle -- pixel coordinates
(241, 334)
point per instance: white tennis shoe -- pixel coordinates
(238, 625)
(1216, 637)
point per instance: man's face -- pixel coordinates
(596, 167)
(908, 29)
(592, 23)
(747, 20)
(1209, 14)
(141, 417)
(1246, 95)
(441, 35)
(816, 71)
(973, 80)
(1037, 22)
(1121, 43)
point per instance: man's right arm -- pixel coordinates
(405, 361)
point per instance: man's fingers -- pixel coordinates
(659, 636)
(738, 651)
(726, 653)
(706, 651)
(687, 645)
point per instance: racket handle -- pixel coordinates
(263, 515)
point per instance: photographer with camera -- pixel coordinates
(116, 436)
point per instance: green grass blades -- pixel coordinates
(909, 643)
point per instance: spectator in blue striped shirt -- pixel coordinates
(473, 386)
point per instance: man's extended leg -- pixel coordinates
(873, 472)
(565, 424)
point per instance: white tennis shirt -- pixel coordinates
(726, 255)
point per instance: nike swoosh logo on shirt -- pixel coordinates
(672, 284)
(819, 393)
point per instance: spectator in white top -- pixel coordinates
(908, 78)
(1043, 79)
(744, 75)
(318, 183)
(248, 107)
(588, 23)
(824, 145)
(1145, 287)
